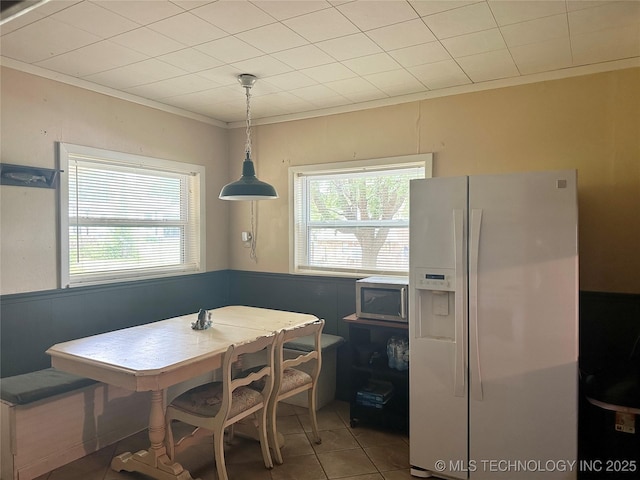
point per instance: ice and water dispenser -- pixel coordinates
(435, 303)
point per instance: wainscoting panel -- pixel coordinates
(31, 322)
(331, 298)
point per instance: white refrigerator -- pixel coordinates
(494, 326)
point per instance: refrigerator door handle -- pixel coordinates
(461, 346)
(474, 248)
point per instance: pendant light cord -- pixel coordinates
(247, 148)
(254, 231)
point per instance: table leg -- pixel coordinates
(154, 461)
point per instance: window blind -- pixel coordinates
(131, 221)
(354, 220)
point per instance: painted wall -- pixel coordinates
(590, 123)
(38, 112)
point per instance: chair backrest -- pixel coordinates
(234, 352)
(314, 329)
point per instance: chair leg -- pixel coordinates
(312, 415)
(264, 444)
(218, 453)
(273, 431)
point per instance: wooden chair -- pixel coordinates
(290, 381)
(215, 406)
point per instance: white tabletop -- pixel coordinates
(159, 354)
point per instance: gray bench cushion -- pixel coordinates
(32, 386)
(306, 344)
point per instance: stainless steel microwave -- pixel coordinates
(383, 298)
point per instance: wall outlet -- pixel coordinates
(625, 422)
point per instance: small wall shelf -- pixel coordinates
(23, 176)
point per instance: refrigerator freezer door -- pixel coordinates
(437, 318)
(526, 354)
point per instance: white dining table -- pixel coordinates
(155, 356)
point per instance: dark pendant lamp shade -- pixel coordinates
(248, 187)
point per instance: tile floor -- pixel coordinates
(361, 453)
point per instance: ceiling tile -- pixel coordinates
(44, 39)
(425, 8)
(21, 21)
(440, 74)
(91, 59)
(460, 21)
(280, 101)
(321, 25)
(328, 73)
(233, 17)
(400, 35)
(49, 8)
(473, 43)
(356, 89)
(542, 57)
(281, 10)
(379, 62)
(335, 101)
(314, 93)
(140, 11)
(229, 49)
(580, 4)
(204, 100)
(263, 66)
(304, 57)
(290, 81)
(188, 29)
(223, 75)
(272, 38)
(419, 54)
(350, 46)
(535, 31)
(95, 19)
(507, 12)
(606, 45)
(190, 60)
(368, 15)
(148, 71)
(190, 4)
(145, 40)
(488, 66)
(171, 87)
(395, 82)
(611, 15)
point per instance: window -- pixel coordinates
(126, 217)
(353, 217)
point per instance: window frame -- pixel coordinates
(385, 163)
(66, 151)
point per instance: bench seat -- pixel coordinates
(34, 386)
(49, 418)
(326, 389)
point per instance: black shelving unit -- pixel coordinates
(368, 341)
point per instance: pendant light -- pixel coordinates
(248, 187)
